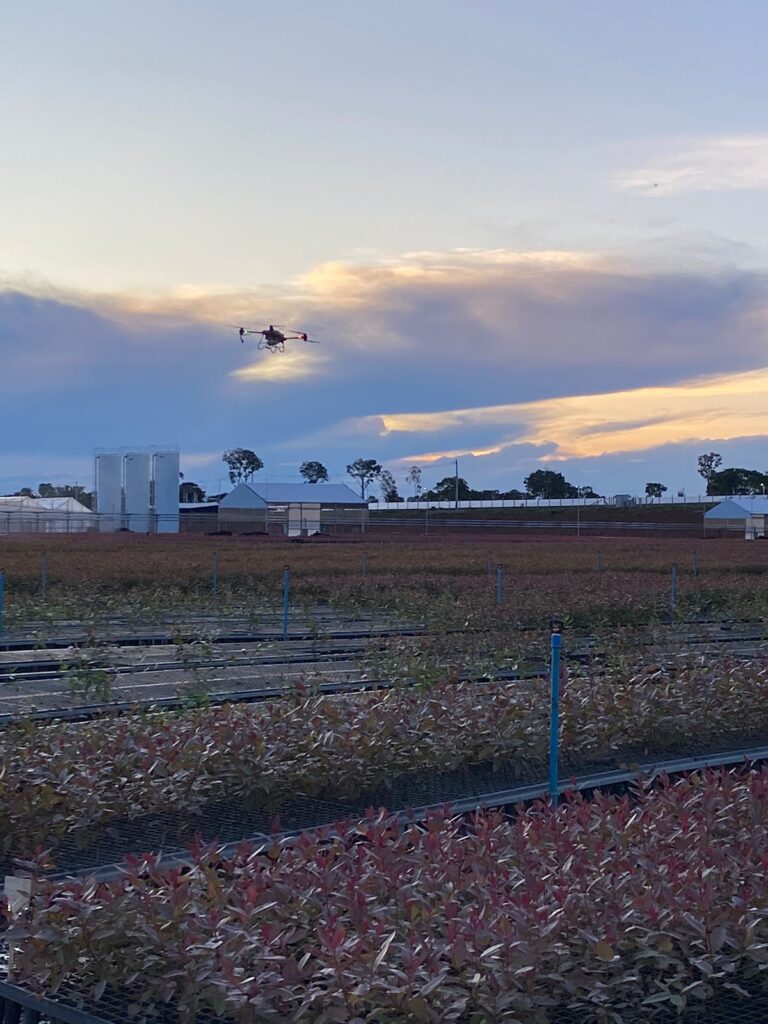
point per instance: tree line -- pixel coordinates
(243, 464)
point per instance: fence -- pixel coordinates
(46, 522)
(688, 499)
(412, 519)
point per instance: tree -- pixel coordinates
(47, 490)
(414, 479)
(25, 492)
(587, 492)
(313, 472)
(545, 483)
(709, 465)
(243, 463)
(445, 490)
(190, 492)
(365, 471)
(388, 486)
(738, 481)
(654, 490)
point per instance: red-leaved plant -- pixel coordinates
(617, 907)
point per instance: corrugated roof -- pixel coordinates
(307, 494)
(739, 508)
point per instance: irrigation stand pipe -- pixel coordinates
(554, 717)
(286, 599)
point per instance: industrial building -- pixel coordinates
(293, 510)
(743, 515)
(138, 491)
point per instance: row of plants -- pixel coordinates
(64, 779)
(132, 559)
(592, 582)
(618, 910)
(606, 600)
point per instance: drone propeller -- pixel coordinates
(301, 335)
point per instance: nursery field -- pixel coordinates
(233, 714)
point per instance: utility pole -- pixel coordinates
(456, 489)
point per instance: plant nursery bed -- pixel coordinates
(69, 1007)
(230, 821)
(647, 910)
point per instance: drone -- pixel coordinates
(273, 338)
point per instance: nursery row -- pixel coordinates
(616, 909)
(64, 779)
(127, 558)
(615, 583)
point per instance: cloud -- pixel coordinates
(199, 460)
(590, 426)
(703, 165)
(281, 366)
(507, 357)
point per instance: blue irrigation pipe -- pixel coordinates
(286, 599)
(554, 716)
(499, 585)
(695, 564)
(365, 563)
(673, 594)
(214, 575)
(43, 577)
(2, 598)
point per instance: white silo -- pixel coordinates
(166, 476)
(109, 492)
(137, 493)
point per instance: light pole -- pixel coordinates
(456, 488)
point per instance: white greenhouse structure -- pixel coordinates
(743, 514)
(19, 514)
(294, 510)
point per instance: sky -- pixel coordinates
(527, 235)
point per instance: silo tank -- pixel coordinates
(137, 496)
(109, 492)
(167, 492)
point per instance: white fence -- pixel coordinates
(688, 499)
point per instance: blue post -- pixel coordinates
(286, 599)
(43, 577)
(674, 588)
(365, 563)
(599, 561)
(554, 717)
(214, 575)
(499, 585)
(695, 564)
(490, 566)
(2, 598)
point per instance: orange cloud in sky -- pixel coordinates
(585, 426)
